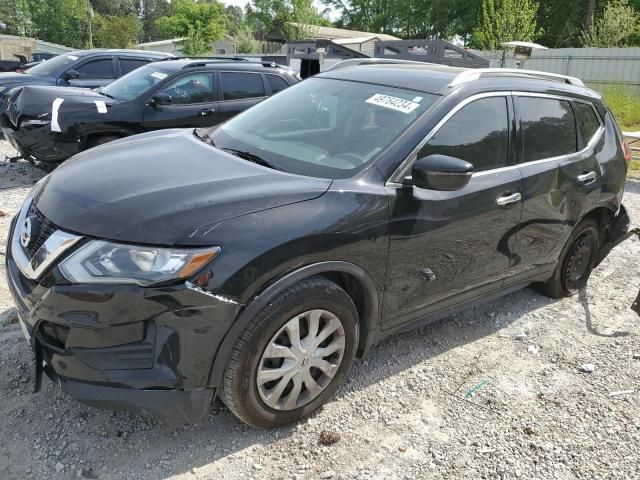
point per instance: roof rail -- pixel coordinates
(476, 74)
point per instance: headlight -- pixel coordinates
(105, 262)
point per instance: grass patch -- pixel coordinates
(624, 105)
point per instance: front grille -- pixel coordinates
(45, 230)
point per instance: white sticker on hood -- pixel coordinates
(159, 75)
(72, 57)
(394, 103)
(101, 106)
(55, 106)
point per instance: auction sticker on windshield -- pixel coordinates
(159, 75)
(394, 103)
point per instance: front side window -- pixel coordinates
(588, 122)
(96, 69)
(191, 88)
(54, 66)
(135, 83)
(478, 134)
(236, 85)
(324, 127)
(548, 128)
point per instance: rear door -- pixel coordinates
(447, 247)
(95, 72)
(561, 176)
(193, 103)
(240, 90)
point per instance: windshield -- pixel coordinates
(53, 67)
(323, 127)
(135, 83)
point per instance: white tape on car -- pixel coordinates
(101, 106)
(55, 106)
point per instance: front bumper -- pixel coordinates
(38, 142)
(124, 347)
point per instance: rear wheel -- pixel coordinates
(576, 261)
(293, 356)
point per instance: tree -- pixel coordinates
(200, 22)
(112, 31)
(115, 7)
(246, 40)
(60, 21)
(150, 11)
(15, 17)
(506, 20)
(269, 16)
(235, 18)
(617, 26)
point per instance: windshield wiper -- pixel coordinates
(202, 135)
(107, 95)
(252, 157)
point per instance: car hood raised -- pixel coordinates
(159, 187)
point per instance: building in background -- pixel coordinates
(225, 46)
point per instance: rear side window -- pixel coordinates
(129, 64)
(276, 83)
(236, 85)
(548, 128)
(588, 122)
(96, 69)
(478, 133)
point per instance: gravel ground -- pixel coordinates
(495, 392)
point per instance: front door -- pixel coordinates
(193, 103)
(450, 246)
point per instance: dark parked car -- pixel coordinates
(84, 68)
(50, 124)
(256, 260)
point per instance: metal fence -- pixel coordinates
(597, 67)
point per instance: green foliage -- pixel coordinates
(60, 21)
(617, 26)
(624, 105)
(246, 41)
(504, 21)
(151, 11)
(200, 22)
(269, 16)
(15, 18)
(115, 32)
(235, 18)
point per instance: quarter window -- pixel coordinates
(588, 122)
(478, 133)
(96, 69)
(236, 86)
(277, 83)
(548, 128)
(191, 88)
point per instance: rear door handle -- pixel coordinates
(508, 199)
(207, 111)
(587, 178)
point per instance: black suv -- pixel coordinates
(50, 124)
(256, 260)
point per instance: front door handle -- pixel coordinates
(508, 199)
(207, 111)
(587, 178)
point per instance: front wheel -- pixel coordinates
(576, 261)
(293, 356)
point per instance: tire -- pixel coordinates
(102, 140)
(576, 262)
(247, 390)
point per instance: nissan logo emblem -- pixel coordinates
(29, 230)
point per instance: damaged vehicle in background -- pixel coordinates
(255, 261)
(49, 125)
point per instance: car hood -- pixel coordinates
(159, 187)
(36, 102)
(11, 79)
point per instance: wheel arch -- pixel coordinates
(352, 278)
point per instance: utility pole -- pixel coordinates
(89, 17)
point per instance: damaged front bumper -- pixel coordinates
(127, 348)
(36, 141)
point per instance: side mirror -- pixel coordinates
(71, 75)
(161, 99)
(442, 173)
